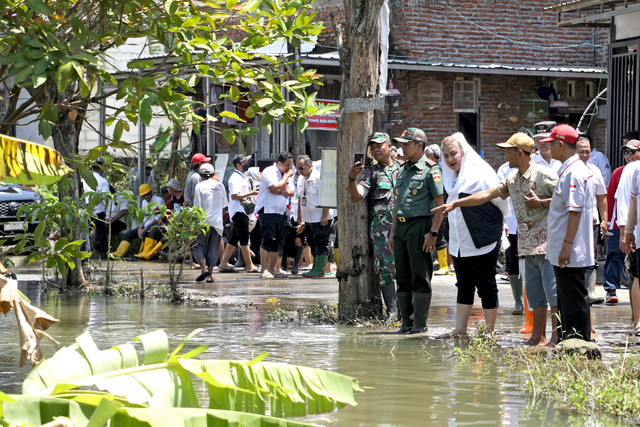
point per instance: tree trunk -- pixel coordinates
(359, 292)
(173, 160)
(297, 137)
(66, 137)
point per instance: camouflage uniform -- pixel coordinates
(383, 199)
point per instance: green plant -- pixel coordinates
(161, 392)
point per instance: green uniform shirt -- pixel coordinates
(417, 185)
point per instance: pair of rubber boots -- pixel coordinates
(415, 304)
(149, 249)
(317, 270)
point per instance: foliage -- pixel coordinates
(180, 231)
(151, 393)
(572, 382)
(59, 53)
(23, 162)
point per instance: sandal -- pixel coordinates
(209, 280)
(202, 276)
(254, 270)
(228, 270)
(636, 331)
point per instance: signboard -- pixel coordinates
(329, 178)
(222, 160)
(326, 121)
(362, 105)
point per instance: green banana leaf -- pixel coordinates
(165, 380)
(28, 163)
(95, 410)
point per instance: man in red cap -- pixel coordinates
(570, 233)
(193, 178)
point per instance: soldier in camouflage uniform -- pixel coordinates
(378, 182)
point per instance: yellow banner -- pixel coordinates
(28, 163)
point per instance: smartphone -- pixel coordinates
(358, 157)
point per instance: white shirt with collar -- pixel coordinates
(309, 189)
(238, 184)
(555, 165)
(601, 161)
(574, 192)
(272, 203)
(511, 221)
(211, 196)
(148, 220)
(102, 187)
(635, 192)
(623, 192)
(114, 207)
(599, 186)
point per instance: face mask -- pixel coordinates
(245, 168)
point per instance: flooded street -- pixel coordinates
(407, 381)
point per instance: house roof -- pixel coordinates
(331, 59)
(590, 11)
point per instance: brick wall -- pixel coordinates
(442, 122)
(430, 30)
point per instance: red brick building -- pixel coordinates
(512, 49)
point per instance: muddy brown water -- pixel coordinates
(406, 382)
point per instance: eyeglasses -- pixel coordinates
(627, 152)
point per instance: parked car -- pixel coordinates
(12, 197)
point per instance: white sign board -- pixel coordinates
(222, 160)
(329, 178)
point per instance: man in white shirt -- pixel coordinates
(544, 158)
(115, 213)
(148, 224)
(276, 187)
(240, 188)
(211, 196)
(583, 149)
(570, 234)
(313, 216)
(98, 210)
(600, 160)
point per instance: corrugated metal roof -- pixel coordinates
(590, 4)
(331, 58)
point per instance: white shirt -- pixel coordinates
(635, 192)
(272, 203)
(511, 221)
(155, 199)
(211, 196)
(574, 192)
(555, 165)
(238, 184)
(103, 187)
(601, 161)
(115, 207)
(600, 188)
(309, 189)
(623, 193)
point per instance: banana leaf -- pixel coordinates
(166, 380)
(95, 410)
(28, 163)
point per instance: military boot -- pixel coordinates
(421, 305)
(406, 310)
(389, 298)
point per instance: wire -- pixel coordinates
(557, 47)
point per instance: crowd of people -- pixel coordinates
(277, 211)
(554, 207)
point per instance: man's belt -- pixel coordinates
(405, 219)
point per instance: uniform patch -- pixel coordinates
(435, 174)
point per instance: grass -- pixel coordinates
(573, 382)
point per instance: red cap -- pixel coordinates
(564, 133)
(199, 158)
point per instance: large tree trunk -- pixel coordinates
(359, 294)
(66, 138)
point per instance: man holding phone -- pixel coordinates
(377, 183)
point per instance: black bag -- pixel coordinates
(484, 222)
(249, 205)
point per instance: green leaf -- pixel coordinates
(38, 80)
(145, 111)
(229, 135)
(175, 352)
(63, 75)
(232, 116)
(117, 131)
(263, 102)
(156, 346)
(40, 7)
(302, 123)
(104, 412)
(88, 177)
(234, 93)
(141, 63)
(231, 3)
(37, 235)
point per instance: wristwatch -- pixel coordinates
(351, 179)
(433, 233)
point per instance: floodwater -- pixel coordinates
(406, 381)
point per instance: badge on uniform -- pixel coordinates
(303, 201)
(415, 191)
(436, 175)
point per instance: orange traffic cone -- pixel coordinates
(528, 317)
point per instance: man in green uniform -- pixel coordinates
(418, 190)
(377, 183)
